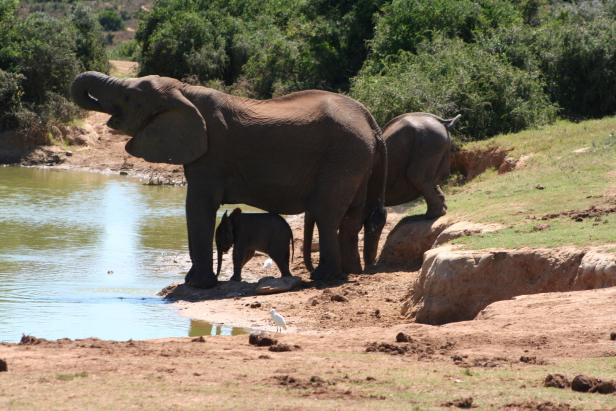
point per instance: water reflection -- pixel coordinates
(82, 255)
(198, 328)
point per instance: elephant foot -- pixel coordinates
(434, 214)
(323, 273)
(352, 267)
(236, 278)
(200, 280)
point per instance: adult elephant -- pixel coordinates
(418, 147)
(312, 151)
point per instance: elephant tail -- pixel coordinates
(307, 247)
(450, 122)
(376, 214)
(292, 245)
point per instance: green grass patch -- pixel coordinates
(569, 166)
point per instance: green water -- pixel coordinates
(83, 255)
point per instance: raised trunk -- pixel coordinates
(96, 91)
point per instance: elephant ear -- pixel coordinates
(176, 134)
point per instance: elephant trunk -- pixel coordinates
(95, 91)
(219, 259)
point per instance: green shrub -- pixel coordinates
(448, 77)
(90, 47)
(10, 98)
(39, 57)
(186, 44)
(269, 46)
(575, 58)
(127, 50)
(46, 56)
(405, 24)
(110, 20)
(578, 62)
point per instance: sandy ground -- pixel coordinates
(352, 362)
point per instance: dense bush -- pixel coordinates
(39, 57)
(127, 50)
(505, 65)
(90, 45)
(405, 24)
(579, 65)
(186, 44)
(575, 57)
(448, 77)
(111, 20)
(10, 98)
(268, 46)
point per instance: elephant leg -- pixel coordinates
(330, 261)
(348, 234)
(282, 262)
(201, 220)
(240, 258)
(435, 200)
(307, 243)
(328, 216)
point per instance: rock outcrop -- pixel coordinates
(410, 239)
(413, 236)
(455, 285)
(471, 163)
(463, 229)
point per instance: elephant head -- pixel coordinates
(164, 125)
(224, 236)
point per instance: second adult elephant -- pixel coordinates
(418, 149)
(312, 151)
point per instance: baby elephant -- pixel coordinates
(247, 233)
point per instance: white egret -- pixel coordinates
(278, 320)
(267, 264)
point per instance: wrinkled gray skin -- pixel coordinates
(246, 233)
(310, 151)
(418, 149)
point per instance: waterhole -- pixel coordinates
(83, 255)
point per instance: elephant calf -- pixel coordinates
(247, 233)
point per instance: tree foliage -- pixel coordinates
(39, 57)
(505, 65)
(448, 77)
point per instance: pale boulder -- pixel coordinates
(463, 229)
(411, 238)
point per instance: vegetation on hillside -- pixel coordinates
(39, 57)
(505, 65)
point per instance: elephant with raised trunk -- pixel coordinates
(312, 151)
(418, 147)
